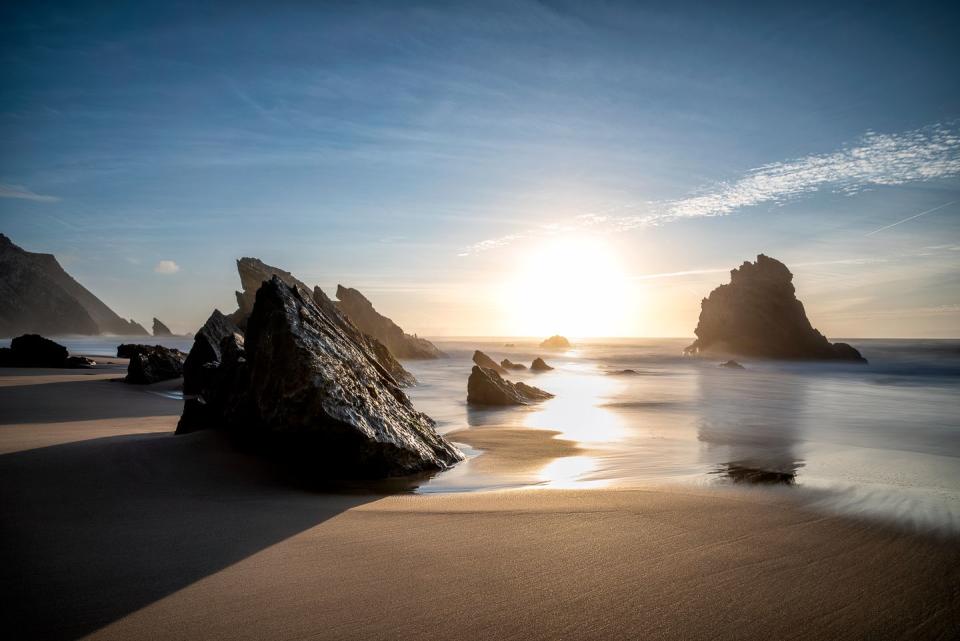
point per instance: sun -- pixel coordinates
(575, 286)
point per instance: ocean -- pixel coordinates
(879, 440)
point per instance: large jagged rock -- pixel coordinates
(154, 363)
(556, 342)
(159, 329)
(539, 365)
(486, 387)
(303, 387)
(757, 314)
(508, 364)
(486, 362)
(380, 351)
(253, 273)
(361, 313)
(205, 354)
(37, 295)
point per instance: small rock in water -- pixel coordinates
(624, 372)
(486, 387)
(80, 362)
(539, 365)
(508, 364)
(732, 365)
(486, 362)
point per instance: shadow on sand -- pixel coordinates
(94, 530)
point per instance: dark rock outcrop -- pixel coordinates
(624, 372)
(757, 314)
(33, 350)
(159, 329)
(253, 273)
(486, 387)
(80, 362)
(37, 295)
(361, 313)
(302, 387)
(486, 362)
(153, 363)
(380, 351)
(129, 350)
(539, 365)
(556, 342)
(731, 364)
(205, 354)
(508, 364)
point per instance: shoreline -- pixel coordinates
(114, 528)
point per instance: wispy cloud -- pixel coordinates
(875, 159)
(19, 191)
(166, 267)
(909, 218)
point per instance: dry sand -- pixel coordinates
(114, 528)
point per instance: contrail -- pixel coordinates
(922, 213)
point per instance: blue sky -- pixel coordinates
(380, 145)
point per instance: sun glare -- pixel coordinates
(571, 286)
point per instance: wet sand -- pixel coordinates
(114, 528)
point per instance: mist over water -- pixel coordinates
(879, 440)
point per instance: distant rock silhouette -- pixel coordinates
(556, 342)
(153, 363)
(757, 314)
(159, 329)
(361, 313)
(624, 372)
(486, 387)
(539, 365)
(304, 389)
(486, 362)
(731, 364)
(37, 295)
(508, 364)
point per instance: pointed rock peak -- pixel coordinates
(159, 329)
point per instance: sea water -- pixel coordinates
(881, 439)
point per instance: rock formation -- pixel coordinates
(486, 387)
(159, 329)
(205, 354)
(731, 364)
(757, 314)
(539, 365)
(153, 363)
(361, 313)
(486, 362)
(33, 350)
(253, 273)
(623, 372)
(508, 364)
(556, 342)
(303, 388)
(36, 295)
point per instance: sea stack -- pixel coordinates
(508, 364)
(159, 329)
(361, 313)
(758, 315)
(302, 388)
(556, 342)
(486, 387)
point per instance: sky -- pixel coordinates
(486, 168)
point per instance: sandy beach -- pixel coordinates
(113, 528)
